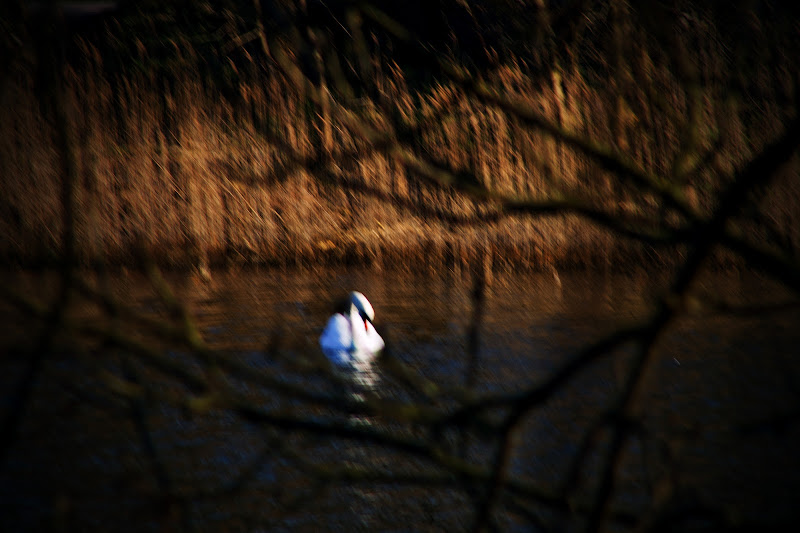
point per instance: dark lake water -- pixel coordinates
(718, 439)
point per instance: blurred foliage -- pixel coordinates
(221, 35)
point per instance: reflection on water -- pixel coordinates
(80, 460)
(362, 374)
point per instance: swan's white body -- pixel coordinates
(352, 339)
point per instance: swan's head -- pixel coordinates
(360, 302)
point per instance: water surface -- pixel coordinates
(87, 457)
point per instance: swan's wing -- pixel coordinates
(337, 339)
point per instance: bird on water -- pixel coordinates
(350, 338)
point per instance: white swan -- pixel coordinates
(349, 337)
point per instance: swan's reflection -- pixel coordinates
(360, 380)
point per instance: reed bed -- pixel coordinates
(198, 179)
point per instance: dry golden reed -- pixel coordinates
(196, 179)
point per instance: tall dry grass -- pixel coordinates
(195, 179)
